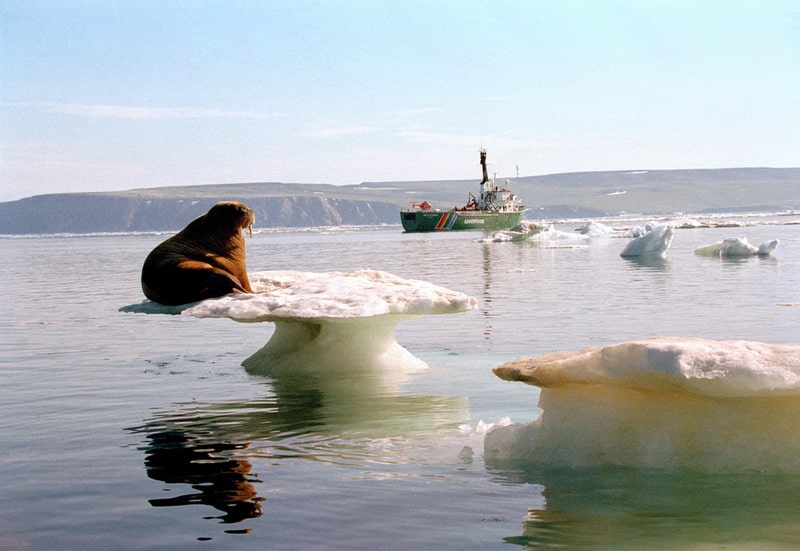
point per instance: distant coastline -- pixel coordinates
(555, 196)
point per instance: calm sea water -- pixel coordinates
(144, 431)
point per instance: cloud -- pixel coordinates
(103, 111)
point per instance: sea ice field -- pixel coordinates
(355, 404)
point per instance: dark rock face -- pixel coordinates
(553, 196)
(89, 213)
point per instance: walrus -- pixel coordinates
(206, 259)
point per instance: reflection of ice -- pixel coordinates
(619, 508)
(363, 402)
(214, 448)
(654, 243)
(737, 247)
(337, 321)
(713, 406)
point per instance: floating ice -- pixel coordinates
(714, 406)
(333, 295)
(689, 223)
(639, 231)
(522, 231)
(552, 237)
(483, 427)
(595, 229)
(737, 247)
(328, 321)
(767, 247)
(654, 243)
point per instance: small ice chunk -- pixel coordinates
(737, 247)
(654, 243)
(595, 229)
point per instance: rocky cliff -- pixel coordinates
(89, 213)
(587, 194)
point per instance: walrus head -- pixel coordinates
(239, 215)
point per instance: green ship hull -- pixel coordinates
(495, 208)
(459, 220)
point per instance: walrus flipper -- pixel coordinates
(216, 283)
(191, 281)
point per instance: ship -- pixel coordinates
(494, 209)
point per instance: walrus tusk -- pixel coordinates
(250, 229)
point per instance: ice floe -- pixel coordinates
(737, 247)
(665, 402)
(654, 243)
(328, 321)
(595, 229)
(521, 232)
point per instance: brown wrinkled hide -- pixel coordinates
(204, 260)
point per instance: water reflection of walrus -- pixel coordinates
(206, 259)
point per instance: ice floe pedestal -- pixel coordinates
(712, 406)
(334, 321)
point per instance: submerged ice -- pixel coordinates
(713, 406)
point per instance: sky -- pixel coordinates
(115, 94)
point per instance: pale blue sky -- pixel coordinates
(106, 95)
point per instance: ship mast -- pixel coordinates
(483, 165)
(485, 202)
